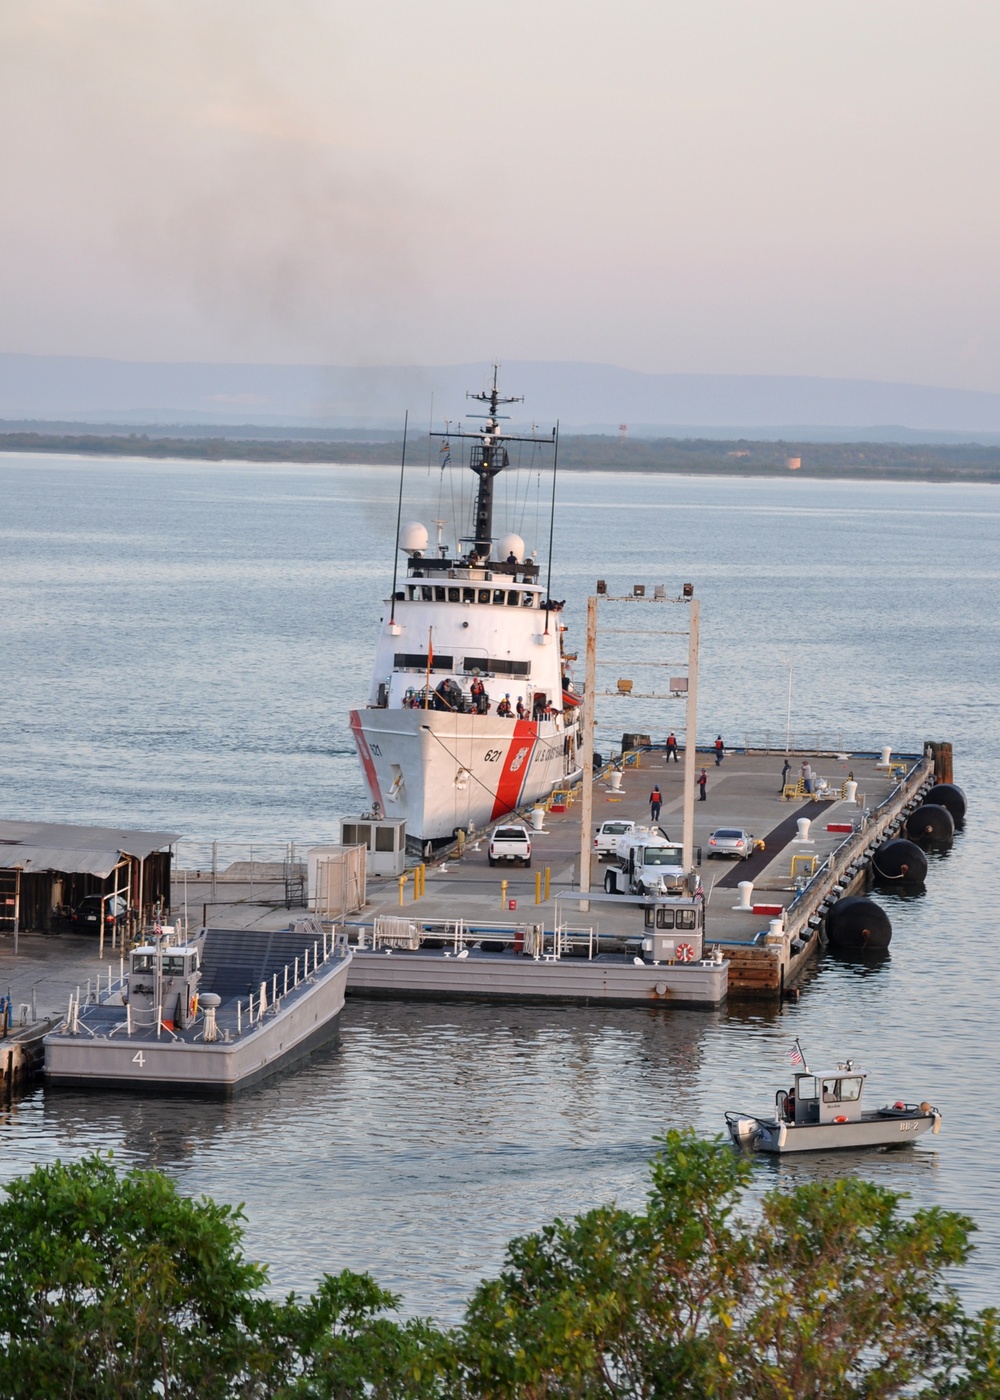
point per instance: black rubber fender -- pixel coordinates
(858, 925)
(902, 862)
(949, 795)
(931, 825)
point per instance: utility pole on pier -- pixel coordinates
(678, 685)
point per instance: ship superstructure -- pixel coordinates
(470, 713)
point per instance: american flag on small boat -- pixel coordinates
(796, 1056)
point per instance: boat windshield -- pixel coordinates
(662, 855)
(845, 1090)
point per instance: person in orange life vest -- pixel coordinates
(522, 713)
(655, 798)
(720, 750)
(672, 747)
(503, 709)
(702, 784)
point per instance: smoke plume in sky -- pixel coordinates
(752, 186)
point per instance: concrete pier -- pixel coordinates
(816, 849)
(794, 880)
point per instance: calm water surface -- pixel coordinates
(179, 646)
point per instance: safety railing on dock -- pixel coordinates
(850, 857)
(456, 937)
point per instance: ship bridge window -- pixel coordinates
(514, 598)
(142, 962)
(498, 666)
(417, 661)
(807, 1086)
(685, 918)
(439, 594)
(468, 595)
(529, 600)
(173, 967)
(664, 918)
(427, 594)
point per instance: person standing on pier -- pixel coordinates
(702, 785)
(807, 776)
(786, 768)
(720, 750)
(672, 747)
(655, 799)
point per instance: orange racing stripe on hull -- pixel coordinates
(368, 763)
(515, 767)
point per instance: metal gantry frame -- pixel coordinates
(688, 601)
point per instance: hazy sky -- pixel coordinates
(801, 186)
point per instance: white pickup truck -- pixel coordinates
(646, 863)
(606, 839)
(511, 843)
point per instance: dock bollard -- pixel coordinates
(503, 894)
(803, 838)
(538, 887)
(851, 791)
(745, 905)
(402, 886)
(548, 872)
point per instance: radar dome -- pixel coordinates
(413, 537)
(511, 544)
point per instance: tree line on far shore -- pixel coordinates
(114, 1285)
(577, 452)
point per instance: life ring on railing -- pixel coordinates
(684, 953)
(841, 1118)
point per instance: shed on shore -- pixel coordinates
(46, 869)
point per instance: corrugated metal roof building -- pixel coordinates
(47, 868)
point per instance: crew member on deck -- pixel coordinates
(503, 709)
(477, 691)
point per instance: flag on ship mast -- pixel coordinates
(796, 1056)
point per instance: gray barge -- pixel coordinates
(213, 1015)
(664, 964)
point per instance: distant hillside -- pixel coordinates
(578, 452)
(585, 397)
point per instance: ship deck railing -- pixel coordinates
(235, 1019)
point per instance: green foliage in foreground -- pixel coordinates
(116, 1286)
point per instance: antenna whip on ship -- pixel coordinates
(399, 521)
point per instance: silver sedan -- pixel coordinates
(732, 842)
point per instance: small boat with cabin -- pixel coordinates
(824, 1113)
(207, 1015)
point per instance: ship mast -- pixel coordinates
(488, 458)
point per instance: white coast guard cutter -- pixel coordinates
(460, 637)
